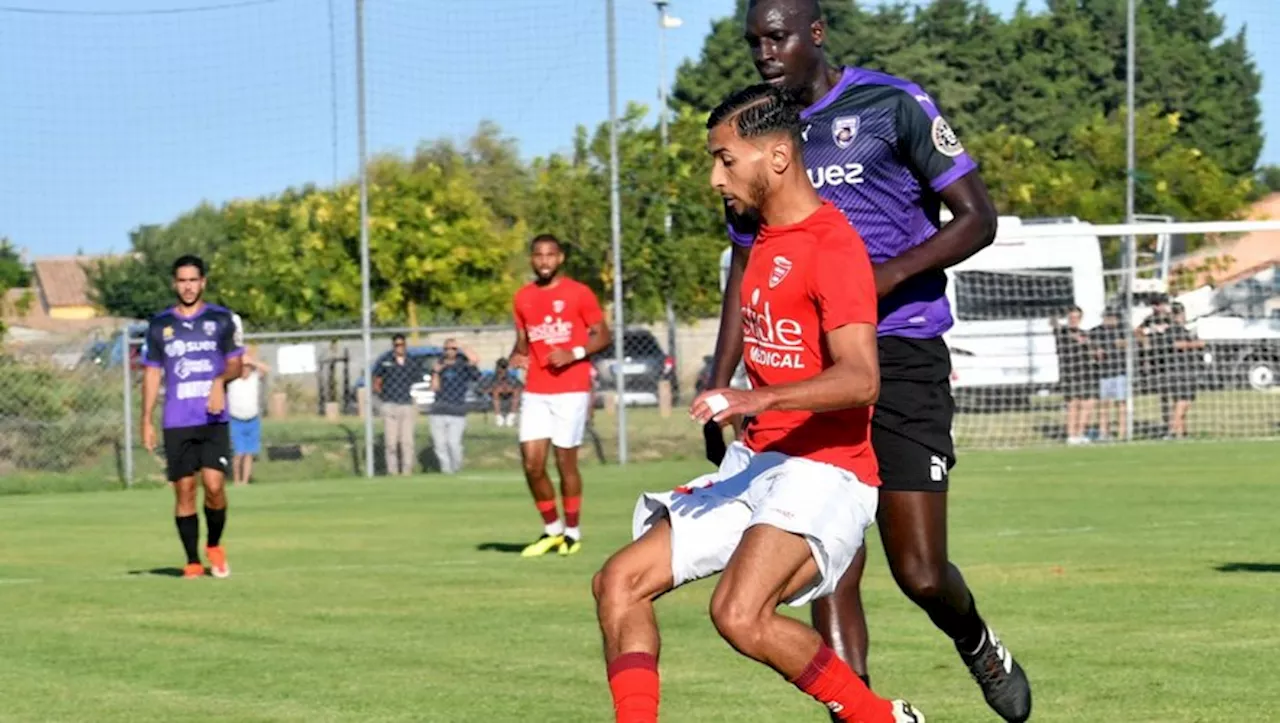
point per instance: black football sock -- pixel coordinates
(189, 533)
(216, 519)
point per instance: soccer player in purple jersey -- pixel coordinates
(877, 147)
(196, 348)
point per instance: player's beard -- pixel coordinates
(194, 302)
(543, 280)
(758, 190)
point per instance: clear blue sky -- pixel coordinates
(113, 120)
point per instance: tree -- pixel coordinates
(137, 285)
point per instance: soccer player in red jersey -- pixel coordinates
(786, 512)
(559, 325)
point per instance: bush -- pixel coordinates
(53, 419)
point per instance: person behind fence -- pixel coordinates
(452, 376)
(1184, 357)
(1077, 374)
(196, 348)
(1110, 343)
(505, 392)
(244, 401)
(393, 379)
(786, 512)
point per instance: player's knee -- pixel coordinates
(617, 583)
(740, 624)
(921, 579)
(534, 468)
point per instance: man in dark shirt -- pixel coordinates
(1182, 352)
(1077, 374)
(196, 348)
(1110, 343)
(393, 379)
(450, 379)
(878, 148)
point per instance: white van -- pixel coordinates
(1003, 299)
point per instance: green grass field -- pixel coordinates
(1134, 584)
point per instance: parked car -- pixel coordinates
(108, 353)
(644, 365)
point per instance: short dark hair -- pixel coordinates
(397, 337)
(760, 110)
(189, 260)
(546, 238)
(812, 9)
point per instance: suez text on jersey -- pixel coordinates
(774, 343)
(835, 175)
(178, 347)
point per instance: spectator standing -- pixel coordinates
(505, 391)
(392, 381)
(1110, 342)
(1183, 359)
(244, 401)
(1077, 373)
(452, 376)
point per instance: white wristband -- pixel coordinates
(579, 352)
(717, 403)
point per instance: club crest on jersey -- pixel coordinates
(557, 306)
(844, 130)
(781, 267)
(168, 332)
(210, 327)
(944, 139)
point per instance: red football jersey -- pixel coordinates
(801, 282)
(557, 317)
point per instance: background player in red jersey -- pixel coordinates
(558, 326)
(785, 514)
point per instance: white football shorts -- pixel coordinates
(562, 418)
(825, 504)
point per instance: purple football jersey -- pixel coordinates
(877, 147)
(192, 351)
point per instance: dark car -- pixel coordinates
(644, 365)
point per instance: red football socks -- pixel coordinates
(547, 508)
(572, 505)
(633, 680)
(833, 683)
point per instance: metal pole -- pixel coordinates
(333, 90)
(128, 407)
(666, 200)
(365, 302)
(615, 223)
(1131, 246)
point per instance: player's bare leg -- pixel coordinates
(625, 589)
(913, 528)
(769, 566)
(188, 523)
(571, 494)
(215, 517)
(534, 455)
(841, 621)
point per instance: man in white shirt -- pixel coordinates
(244, 402)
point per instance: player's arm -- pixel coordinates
(153, 361)
(929, 146)
(598, 334)
(728, 351)
(231, 345)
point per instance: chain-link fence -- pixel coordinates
(257, 102)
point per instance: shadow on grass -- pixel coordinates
(507, 547)
(159, 572)
(1249, 567)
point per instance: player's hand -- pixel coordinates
(560, 358)
(713, 435)
(217, 399)
(720, 404)
(149, 437)
(518, 361)
(888, 277)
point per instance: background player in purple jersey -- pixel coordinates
(877, 147)
(196, 348)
